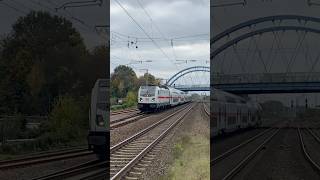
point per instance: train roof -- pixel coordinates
(160, 86)
(222, 96)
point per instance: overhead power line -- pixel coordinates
(162, 38)
(142, 29)
(13, 8)
(243, 3)
(79, 4)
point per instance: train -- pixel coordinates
(99, 135)
(153, 97)
(230, 113)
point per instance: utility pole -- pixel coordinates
(306, 103)
(146, 75)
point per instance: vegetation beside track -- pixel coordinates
(46, 71)
(191, 158)
(125, 85)
(66, 126)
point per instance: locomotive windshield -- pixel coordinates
(147, 91)
(102, 99)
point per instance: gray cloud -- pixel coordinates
(174, 18)
(88, 17)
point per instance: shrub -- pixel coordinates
(66, 118)
(131, 99)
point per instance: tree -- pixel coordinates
(151, 80)
(123, 80)
(40, 59)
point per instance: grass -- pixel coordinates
(191, 159)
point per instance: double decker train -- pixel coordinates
(230, 112)
(152, 98)
(98, 137)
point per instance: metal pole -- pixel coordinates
(147, 78)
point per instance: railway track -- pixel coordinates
(129, 158)
(305, 149)
(92, 169)
(44, 158)
(260, 140)
(124, 111)
(206, 109)
(126, 120)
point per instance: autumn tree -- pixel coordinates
(42, 58)
(123, 80)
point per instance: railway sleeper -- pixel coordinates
(149, 158)
(139, 169)
(135, 173)
(128, 151)
(120, 158)
(142, 165)
(131, 178)
(135, 148)
(122, 155)
(144, 161)
(116, 163)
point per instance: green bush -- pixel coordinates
(131, 99)
(67, 119)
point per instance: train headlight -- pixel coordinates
(153, 99)
(100, 120)
(140, 99)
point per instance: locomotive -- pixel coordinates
(152, 98)
(230, 112)
(98, 137)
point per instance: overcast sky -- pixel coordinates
(225, 17)
(84, 18)
(170, 19)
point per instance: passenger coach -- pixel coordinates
(152, 98)
(231, 112)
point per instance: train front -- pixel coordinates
(147, 98)
(98, 137)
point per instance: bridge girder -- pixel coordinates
(253, 22)
(261, 31)
(183, 72)
(262, 88)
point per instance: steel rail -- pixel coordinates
(97, 175)
(206, 110)
(67, 169)
(237, 148)
(247, 159)
(75, 172)
(139, 114)
(43, 158)
(138, 157)
(123, 111)
(305, 151)
(142, 132)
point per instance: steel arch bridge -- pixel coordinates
(265, 82)
(190, 87)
